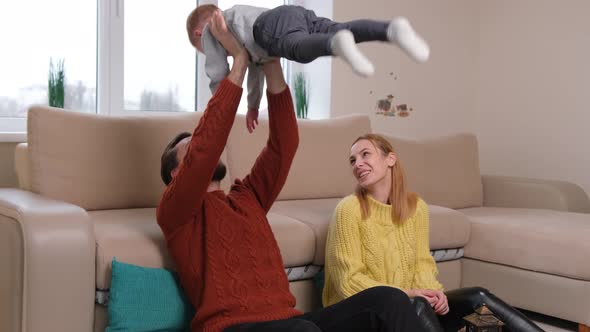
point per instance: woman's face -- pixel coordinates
(370, 166)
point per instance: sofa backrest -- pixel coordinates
(320, 168)
(99, 162)
(104, 162)
(444, 171)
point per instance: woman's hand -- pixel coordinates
(428, 294)
(441, 307)
(436, 298)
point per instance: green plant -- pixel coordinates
(56, 84)
(301, 95)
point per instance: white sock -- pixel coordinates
(400, 32)
(342, 44)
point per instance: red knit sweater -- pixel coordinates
(225, 252)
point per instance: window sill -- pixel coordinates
(13, 137)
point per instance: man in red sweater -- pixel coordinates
(224, 249)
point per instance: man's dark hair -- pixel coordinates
(169, 160)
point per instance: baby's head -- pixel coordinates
(196, 21)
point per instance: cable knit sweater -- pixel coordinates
(361, 254)
(224, 250)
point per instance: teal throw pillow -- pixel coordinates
(147, 299)
(318, 282)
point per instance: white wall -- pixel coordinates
(441, 92)
(534, 83)
(516, 73)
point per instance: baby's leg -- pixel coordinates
(301, 46)
(304, 47)
(297, 34)
(401, 32)
(343, 45)
(363, 30)
(398, 31)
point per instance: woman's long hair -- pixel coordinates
(403, 203)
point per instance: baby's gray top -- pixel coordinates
(240, 21)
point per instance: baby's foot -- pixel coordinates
(343, 45)
(251, 119)
(400, 32)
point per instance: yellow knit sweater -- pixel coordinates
(361, 254)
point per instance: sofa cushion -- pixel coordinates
(133, 236)
(448, 228)
(444, 171)
(147, 299)
(546, 241)
(100, 162)
(320, 168)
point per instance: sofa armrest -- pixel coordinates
(47, 264)
(22, 166)
(518, 192)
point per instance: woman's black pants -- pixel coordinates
(377, 309)
(463, 302)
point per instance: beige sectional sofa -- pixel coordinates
(89, 186)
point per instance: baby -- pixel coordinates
(297, 34)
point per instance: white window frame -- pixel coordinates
(13, 130)
(111, 60)
(110, 57)
(110, 70)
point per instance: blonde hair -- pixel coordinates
(196, 18)
(403, 203)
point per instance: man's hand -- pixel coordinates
(232, 46)
(220, 31)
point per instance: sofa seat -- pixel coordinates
(533, 239)
(133, 236)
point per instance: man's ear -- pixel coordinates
(391, 159)
(174, 172)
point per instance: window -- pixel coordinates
(120, 56)
(36, 31)
(154, 67)
(159, 61)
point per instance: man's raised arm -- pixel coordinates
(269, 173)
(185, 193)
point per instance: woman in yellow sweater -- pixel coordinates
(380, 237)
